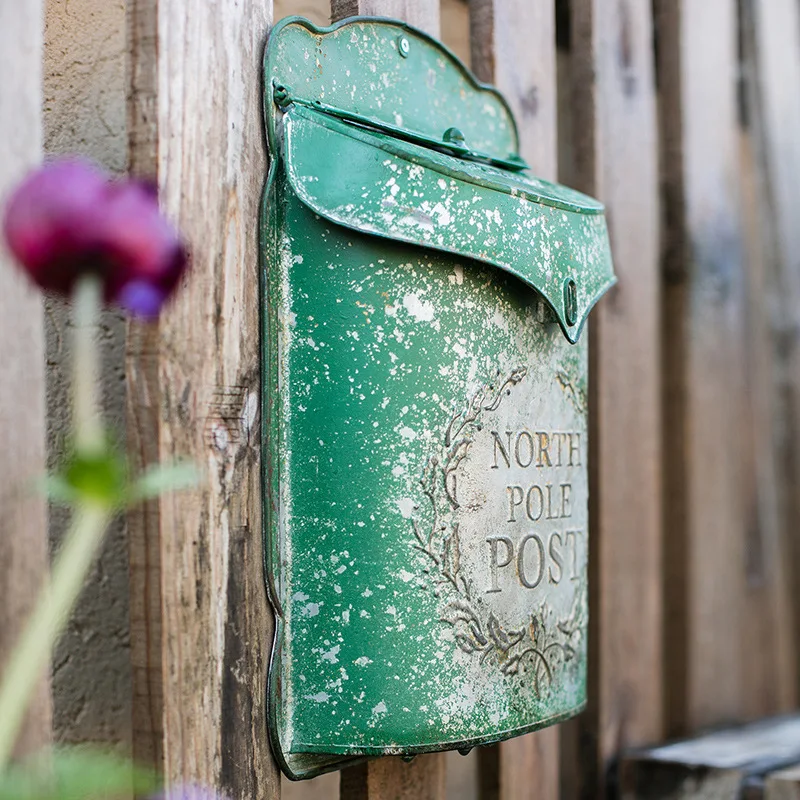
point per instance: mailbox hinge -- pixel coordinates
(452, 141)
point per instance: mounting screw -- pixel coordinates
(404, 46)
(570, 301)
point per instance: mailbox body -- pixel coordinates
(424, 406)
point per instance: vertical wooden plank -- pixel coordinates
(769, 665)
(423, 14)
(770, 34)
(704, 341)
(143, 419)
(616, 159)
(769, 671)
(325, 787)
(23, 524)
(455, 28)
(203, 632)
(317, 11)
(391, 778)
(514, 48)
(462, 776)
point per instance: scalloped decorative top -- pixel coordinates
(379, 68)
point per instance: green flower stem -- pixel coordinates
(31, 656)
(89, 438)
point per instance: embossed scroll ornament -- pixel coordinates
(539, 640)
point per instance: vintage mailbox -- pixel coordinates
(425, 405)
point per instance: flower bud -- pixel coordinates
(68, 218)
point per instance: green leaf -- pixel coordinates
(76, 773)
(98, 477)
(162, 478)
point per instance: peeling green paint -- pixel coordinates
(424, 411)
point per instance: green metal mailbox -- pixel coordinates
(425, 405)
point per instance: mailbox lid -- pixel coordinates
(552, 237)
(358, 65)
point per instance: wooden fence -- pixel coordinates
(683, 116)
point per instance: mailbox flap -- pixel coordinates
(551, 237)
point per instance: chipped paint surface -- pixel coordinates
(357, 66)
(543, 233)
(425, 415)
(383, 349)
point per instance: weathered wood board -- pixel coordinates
(770, 56)
(615, 146)
(704, 376)
(721, 764)
(23, 526)
(201, 624)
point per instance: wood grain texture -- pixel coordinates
(423, 14)
(705, 337)
(390, 778)
(514, 47)
(324, 787)
(202, 627)
(455, 24)
(768, 627)
(616, 159)
(770, 43)
(23, 524)
(143, 412)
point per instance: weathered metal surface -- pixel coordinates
(425, 407)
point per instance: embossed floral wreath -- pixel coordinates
(538, 642)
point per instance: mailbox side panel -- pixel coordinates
(428, 498)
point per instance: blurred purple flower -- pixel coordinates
(189, 793)
(68, 218)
